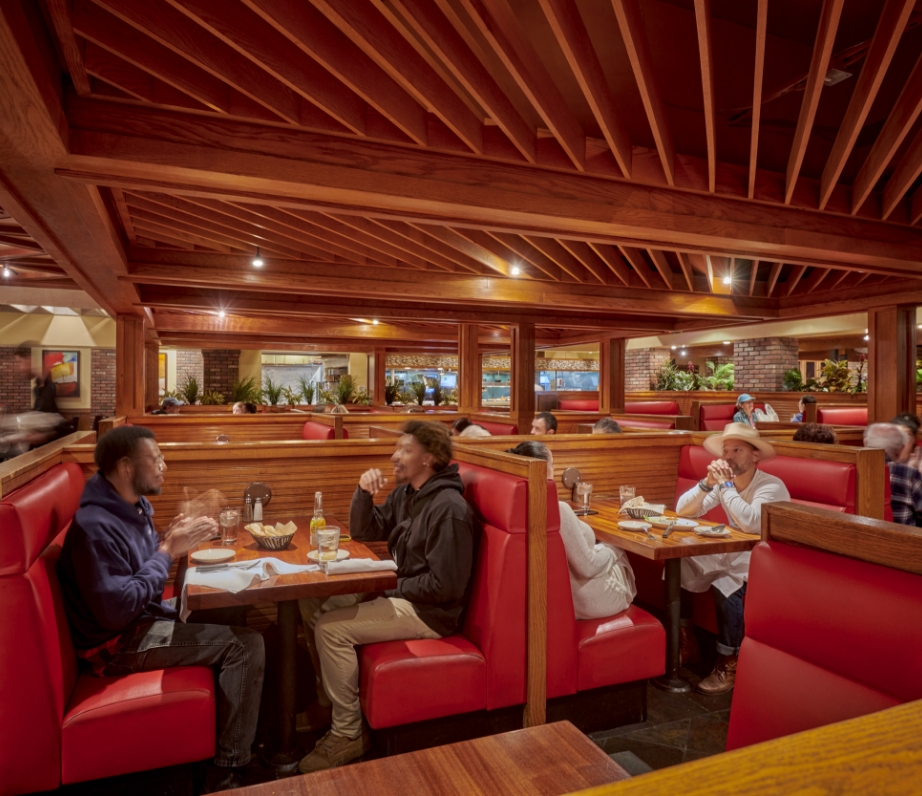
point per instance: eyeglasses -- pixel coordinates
(156, 458)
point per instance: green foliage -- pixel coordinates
(212, 398)
(438, 397)
(721, 377)
(170, 394)
(391, 391)
(245, 391)
(291, 396)
(418, 389)
(361, 397)
(672, 377)
(792, 381)
(406, 396)
(272, 391)
(836, 376)
(189, 389)
(344, 389)
(307, 389)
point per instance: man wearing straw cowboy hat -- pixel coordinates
(734, 483)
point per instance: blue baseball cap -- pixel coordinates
(743, 398)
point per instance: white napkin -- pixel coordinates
(238, 576)
(359, 565)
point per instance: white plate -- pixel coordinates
(681, 523)
(708, 531)
(314, 555)
(633, 525)
(212, 555)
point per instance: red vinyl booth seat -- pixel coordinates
(713, 417)
(579, 404)
(60, 726)
(497, 429)
(843, 416)
(314, 430)
(483, 666)
(828, 638)
(652, 408)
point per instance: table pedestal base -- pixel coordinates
(672, 681)
(674, 685)
(286, 757)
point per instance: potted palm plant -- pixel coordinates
(344, 390)
(272, 393)
(245, 391)
(307, 389)
(419, 391)
(189, 390)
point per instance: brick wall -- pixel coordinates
(189, 362)
(761, 363)
(641, 365)
(102, 382)
(15, 391)
(221, 368)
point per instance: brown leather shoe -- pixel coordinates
(721, 680)
(334, 750)
(688, 646)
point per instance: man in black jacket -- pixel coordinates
(429, 531)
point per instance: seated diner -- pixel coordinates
(544, 423)
(747, 413)
(905, 480)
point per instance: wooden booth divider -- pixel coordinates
(22, 469)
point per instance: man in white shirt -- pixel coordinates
(735, 483)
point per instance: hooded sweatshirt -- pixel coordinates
(111, 572)
(434, 550)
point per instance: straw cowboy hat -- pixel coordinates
(715, 443)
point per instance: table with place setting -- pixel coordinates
(621, 530)
(258, 575)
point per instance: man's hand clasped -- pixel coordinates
(185, 533)
(719, 472)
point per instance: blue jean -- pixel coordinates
(730, 625)
(238, 652)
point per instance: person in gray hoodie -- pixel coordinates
(429, 531)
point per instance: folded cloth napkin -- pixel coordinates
(359, 565)
(237, 576)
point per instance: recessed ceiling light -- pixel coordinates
(682, 352)
(834, 76)
(8, 272)
(221, 313)
(375, 322)
(728, 280)
(725, 342)
(516, 270)
(867, 337)
(673, 348)
(257, 260)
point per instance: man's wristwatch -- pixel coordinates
(703, 486)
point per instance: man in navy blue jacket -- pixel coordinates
(113, 567)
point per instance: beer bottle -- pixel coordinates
(317, 521)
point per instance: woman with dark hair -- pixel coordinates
(429, 530)
(601, 578)
(459, 425)
(816, 432)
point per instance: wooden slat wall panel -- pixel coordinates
(357, 425)
(240, 428)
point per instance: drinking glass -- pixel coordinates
(230, 522)
(328, 542)
(583, 492)
(627, 493)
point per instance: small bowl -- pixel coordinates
(274, 542)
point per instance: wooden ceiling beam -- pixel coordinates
(167, 224)
(253, 38)
(500, 250)
(794, 279)
(476, 252)
(635, 258)
(124, 216)
(904, 176)
(498, 24)
(594, 264)
(759, 74)
(164, 24)
(561, 257)
(441, 37)
(819, 65)
(61, 20)
(448, 253)
(311, 31)
(898, 125)
(773, 277)
(662, 265)
(573, 39)
(611, 256)
(887, 36)
(163, 235)
(538, 259)
(706, 56)
(852, 297)
(687, 271)
(915, 210)
(631, 24)
(154, 150)
(371, 32)
(752, 276)
(812, 282)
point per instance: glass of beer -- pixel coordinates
(229, 520)
(328, 542)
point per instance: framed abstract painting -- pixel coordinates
(64, 367)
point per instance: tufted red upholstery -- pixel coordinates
(828, 638)
(315, 430)
(579, 404)
(592, 653)
(35, 644)
(652, 408)
(645, 423)
(843, 415)
(713, 417)
(483, 666)
(497, 429)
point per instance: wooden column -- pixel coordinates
(611, 376)
(378, 375)
(522, 383)
(470, 375)
(151, 374)
(129, 364)
(891, 362)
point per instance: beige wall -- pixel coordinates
(57, 331)
(251, 365)
(358, 369)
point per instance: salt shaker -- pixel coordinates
(258, 510)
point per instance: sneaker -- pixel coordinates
(334, 750)
(722, 679)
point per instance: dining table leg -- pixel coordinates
(672, 681)
(288, 753)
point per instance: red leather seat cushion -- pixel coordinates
(498, 429)
(419, 679)
(843, 416)
(314, 430)
(579, 404)
(652, 408)
(115, 725)
(620, 649)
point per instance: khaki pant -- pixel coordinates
(311, 609)
(337, 634)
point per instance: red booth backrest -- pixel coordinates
(713, 417)
(579, 404)
(36, 656)
(497, 429)
(828, 638)
(652, 408)
(314, 430)
(843, 416)
(495, 616)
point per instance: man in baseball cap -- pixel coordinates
(170, 406)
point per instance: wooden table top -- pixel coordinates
(290, 587)
(680, 544)
(548, 760)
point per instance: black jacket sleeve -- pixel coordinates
(368, 522)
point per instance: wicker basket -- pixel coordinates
(642, 512)
(273, 542)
